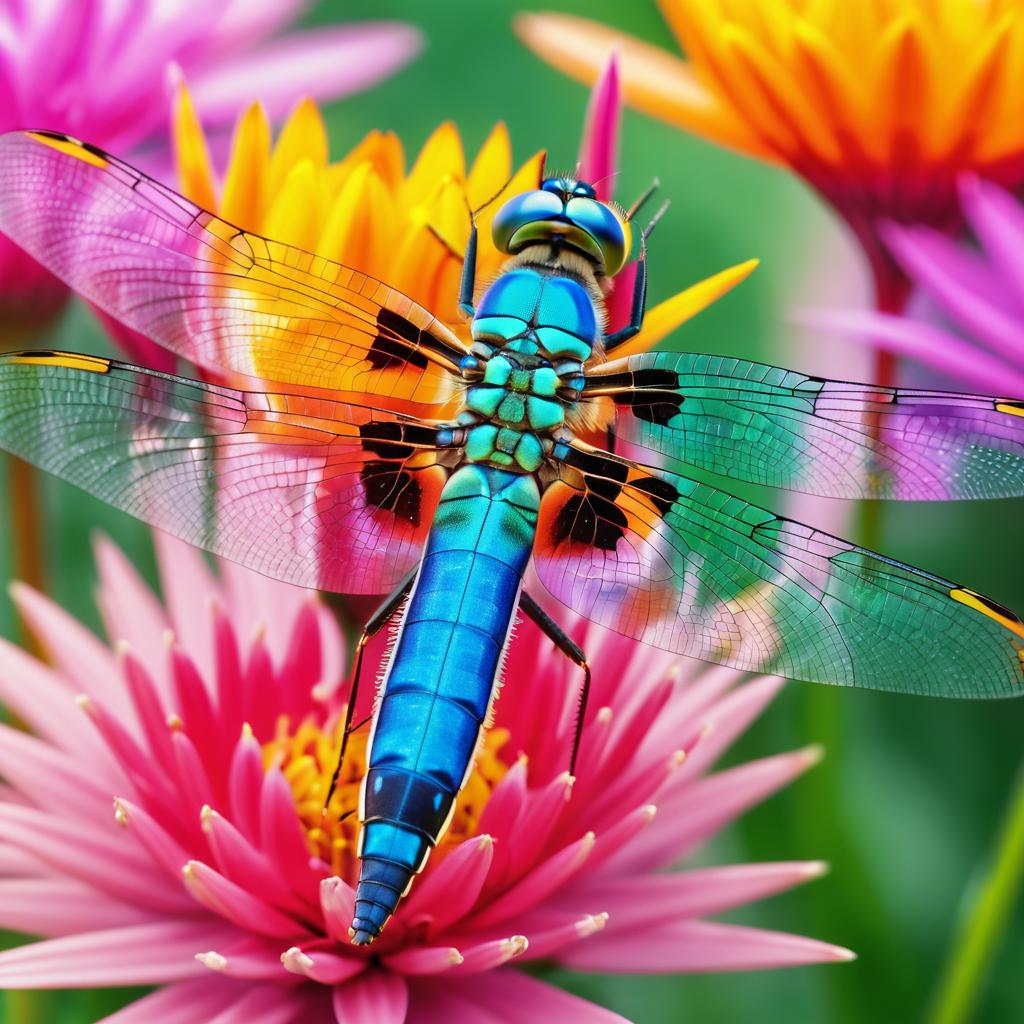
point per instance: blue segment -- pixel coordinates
(558, 309)
(441, 677)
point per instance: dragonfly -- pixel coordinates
(344, 438)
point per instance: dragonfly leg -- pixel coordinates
(468, 286)
(571, 650)
(636, 319)
(380, 618)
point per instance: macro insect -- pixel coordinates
(347, 440)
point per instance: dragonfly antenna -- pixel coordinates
(642, 199)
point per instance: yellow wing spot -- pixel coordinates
(1012, 408)
(70, 360)
(987, 607)
(71, 147)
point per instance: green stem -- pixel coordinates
(981, 932)
(27, 1007)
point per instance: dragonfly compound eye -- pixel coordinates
(557, 210)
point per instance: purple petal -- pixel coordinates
(322, 64)
(961, 360)
(998, 220)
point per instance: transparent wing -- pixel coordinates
(308, 490)
(226, 299)
(771, 426)
(686, 567)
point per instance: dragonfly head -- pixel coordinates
(567, 210)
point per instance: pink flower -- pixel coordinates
(973, 293)
(217, 878)
(99, 70)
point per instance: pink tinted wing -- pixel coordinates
(228, 300)
(755, 422)
(303, 488)
(684, 566)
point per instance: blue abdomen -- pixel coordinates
(441, 679)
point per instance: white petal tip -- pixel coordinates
(812, 755)
(214, 961)
(296, 961)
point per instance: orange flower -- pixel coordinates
(880, 106)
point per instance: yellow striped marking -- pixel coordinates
(70, 360)
(1013, 408)
(72, 147)
(994, 611)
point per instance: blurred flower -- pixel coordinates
(218, 878)
(879, 106)
(408, 228)
(99, 71)
(973, 330)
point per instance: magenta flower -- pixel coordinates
(100, 69)
(970, 296)
(216, 877)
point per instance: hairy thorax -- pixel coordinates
(535, 329)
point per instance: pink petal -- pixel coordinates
(542, 815)
(524, 1000)
(187, 586)
(231, 901)
(486, 956)
(61, 906)
(599, 148)
(961, 360)
(936, 264)
(108, 863)
(248, 957)
(245, 783)
(73, 649)
(698, 946)
(322, 965)
(182, 1003)
(728, 719)
(238, 860)
(338, 903)
(266, 1004)
(998, 220)
(451, 889)
(144, 954)
(48, 777)
(649, 900)
(423, 960)
(607, 844)
(154, 838)
(324, 63)
(130, 611)
(282, 835)
(42, 700)
(539, 883)
(687, 818)
(373, 998)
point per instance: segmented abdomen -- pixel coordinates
(441, 679)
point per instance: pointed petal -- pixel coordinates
(672, 313)
(599, 149)
(451, 889)
(373, 998)
(323, 64)
(144, 954)
(698, 946)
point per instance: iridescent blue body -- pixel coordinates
(533, 330)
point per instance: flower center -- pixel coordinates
(307, 755)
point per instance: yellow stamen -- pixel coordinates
(307, 755)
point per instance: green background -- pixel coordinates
(906, 807)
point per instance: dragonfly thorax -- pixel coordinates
(533, 331)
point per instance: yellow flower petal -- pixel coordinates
(492, 167)
(297, 210)
(358, 230)
(303, 137)
(245, 184)
(191, 154)
(440, 159)
(670, 314)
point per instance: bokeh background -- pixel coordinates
(909, 800)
